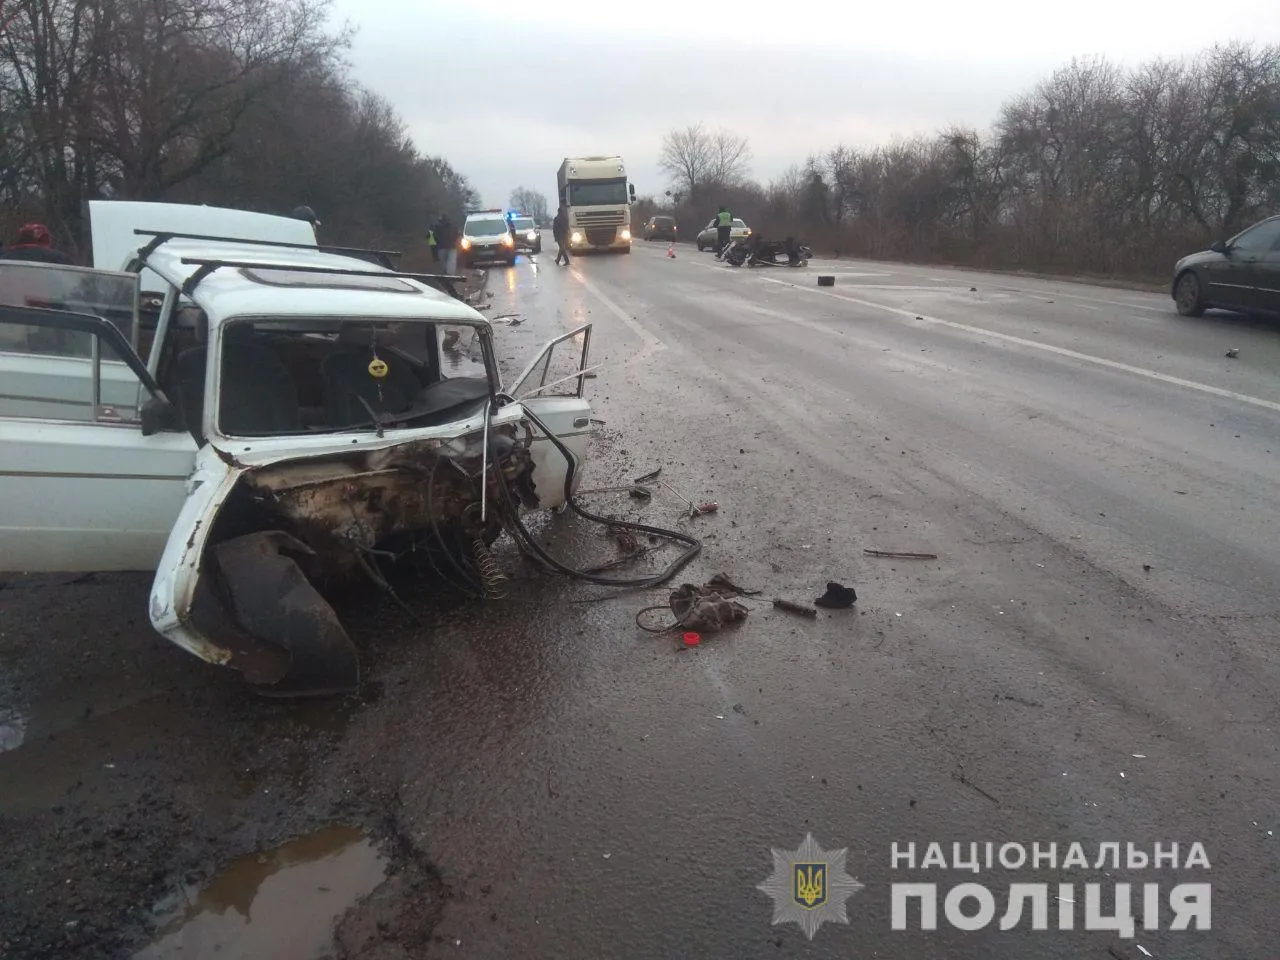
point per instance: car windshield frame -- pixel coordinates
(602, 192)
(1259, 228)
(447, 350)
(498, 225)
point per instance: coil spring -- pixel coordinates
(490, 572)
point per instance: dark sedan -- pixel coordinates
(1241, 274)
(660, 228)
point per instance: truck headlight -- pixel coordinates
(531, 235)
(575, 237)
(465, 243)
(626, 234)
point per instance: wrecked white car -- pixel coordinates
(275, 421)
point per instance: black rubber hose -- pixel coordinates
(695, 545)
(470, 587)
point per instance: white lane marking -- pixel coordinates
(1046, 347)
(651, 343)
(1128, 305)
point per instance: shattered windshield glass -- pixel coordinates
(102, 293)
(292, 377)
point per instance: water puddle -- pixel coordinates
(280, 904)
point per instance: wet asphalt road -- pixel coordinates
(587, 789)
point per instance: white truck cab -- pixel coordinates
(599, 198)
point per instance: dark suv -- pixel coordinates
(1241, 274)
(660, 228)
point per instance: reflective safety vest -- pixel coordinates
(431, 238)
(724, 218)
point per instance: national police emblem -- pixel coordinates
(809, 886)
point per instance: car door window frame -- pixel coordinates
(98, 329)
(1264, 228)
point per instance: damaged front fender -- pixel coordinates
(256, 549)
(276, 604)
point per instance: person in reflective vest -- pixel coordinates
(724, 224)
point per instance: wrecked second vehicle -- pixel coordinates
(303, 420)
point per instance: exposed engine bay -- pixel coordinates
(293, 532)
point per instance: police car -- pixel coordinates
(486, 238)
(525, 228)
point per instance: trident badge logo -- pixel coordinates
(809, 886)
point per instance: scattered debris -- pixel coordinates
(1146, 568)
(826, 281)
(901, 555)
(648, 476)
(692, 639)
(1119, 952)
(959, 777)
(640, 493)
(837, 597)
(1022, 700)
(723, 584)
(799, 608)
(627, 541)
(1233, 352)
(704, 609)
(973, 289)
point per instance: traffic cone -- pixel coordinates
(671, 250)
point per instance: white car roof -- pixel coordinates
(229, 292)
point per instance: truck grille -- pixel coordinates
(600, 218)
(598, 236)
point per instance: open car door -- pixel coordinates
(91, 474)
(551, 388)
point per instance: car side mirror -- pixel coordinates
(159, 416)
(1220, 246)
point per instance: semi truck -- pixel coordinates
(598, 197)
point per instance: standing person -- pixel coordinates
(560, 230)
(446, 235)
(35, 242)
(724, 225)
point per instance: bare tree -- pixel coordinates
(730, 159)
(530, 202)
(686, 156)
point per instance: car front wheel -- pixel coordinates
(1189, 298)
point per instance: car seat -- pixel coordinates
(347, 381)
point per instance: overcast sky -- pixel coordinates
(505, 91)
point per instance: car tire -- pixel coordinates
(700, 246)
(1188, 295)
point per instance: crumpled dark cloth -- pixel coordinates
(704, 609)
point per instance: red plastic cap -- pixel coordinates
(692, 639)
